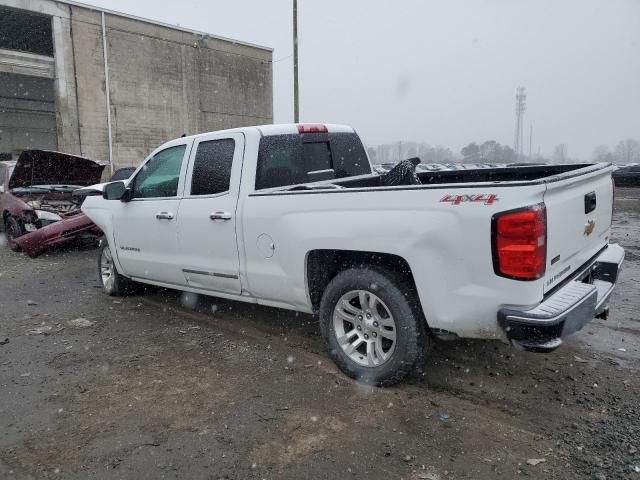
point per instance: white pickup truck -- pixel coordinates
(293, 216)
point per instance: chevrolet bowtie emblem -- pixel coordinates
(589, 227)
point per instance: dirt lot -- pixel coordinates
(156, 386)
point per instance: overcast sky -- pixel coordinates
(443, 71)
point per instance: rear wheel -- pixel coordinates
(13, 229)
(372, 325)
(112, 282)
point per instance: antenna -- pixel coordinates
(521, 107)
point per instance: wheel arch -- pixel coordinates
(321, 266)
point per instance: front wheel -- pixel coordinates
(13, 229)
(112, 282)
(372, 325)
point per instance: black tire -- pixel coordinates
(13, 228)
(118, 285)
(399, 298)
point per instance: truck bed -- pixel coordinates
(525, 174)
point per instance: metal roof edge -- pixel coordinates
(162, 24)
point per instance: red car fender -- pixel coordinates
(57, 233)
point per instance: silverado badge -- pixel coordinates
(588, 227)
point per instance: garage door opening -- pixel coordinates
(27, 114)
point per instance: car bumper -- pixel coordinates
(66, 230)
(542, 327)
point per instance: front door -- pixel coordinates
(145, 228)
(207, 214)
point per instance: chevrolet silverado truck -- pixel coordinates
(294, 216)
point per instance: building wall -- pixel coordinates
(163, 82)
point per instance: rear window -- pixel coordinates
(294, 159)
(317, 156)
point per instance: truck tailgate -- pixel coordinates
(579, 210)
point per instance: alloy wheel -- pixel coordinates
(365, 328)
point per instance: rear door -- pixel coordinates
(579, 213)
(208, 249)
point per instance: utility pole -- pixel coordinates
(530, 137)
(296, 100)
(521, 107)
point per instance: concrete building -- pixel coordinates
(112, 87)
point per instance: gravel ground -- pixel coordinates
(163, 385)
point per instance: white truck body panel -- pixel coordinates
(452, 267)
(567, 222)
(260, 253)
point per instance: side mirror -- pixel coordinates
(115, 191)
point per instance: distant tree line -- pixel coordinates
(393, 152)
(626, 151)
(488, 152)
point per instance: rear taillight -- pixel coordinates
(519, 243)
(312, 128)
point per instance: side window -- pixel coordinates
(212, 167)
(159, 176)
(2, 168)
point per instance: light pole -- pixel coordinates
(296, 101)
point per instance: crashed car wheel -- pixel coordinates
(13, 229)
(373, 325)
(112, 282)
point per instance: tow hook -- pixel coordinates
(604, 315)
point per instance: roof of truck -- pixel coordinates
(282, 129)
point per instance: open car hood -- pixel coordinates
(42, 167)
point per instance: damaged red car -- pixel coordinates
(37, 201)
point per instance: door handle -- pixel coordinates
(164, 216)
(220, 216)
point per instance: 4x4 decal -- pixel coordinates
(487, 199)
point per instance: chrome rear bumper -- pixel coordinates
(541, 328)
